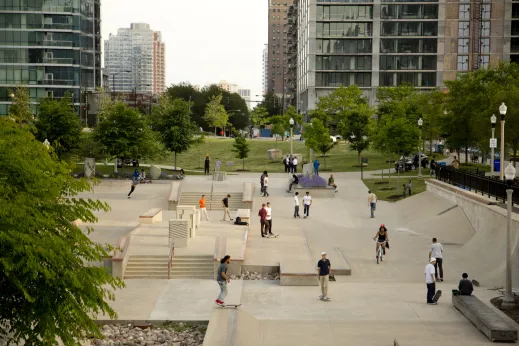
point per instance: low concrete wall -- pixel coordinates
(174, 195)
(248, 195)
(321, 192)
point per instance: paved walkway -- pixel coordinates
(372, 307)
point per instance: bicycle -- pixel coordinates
(380, 251)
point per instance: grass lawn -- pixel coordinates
(425, 173)
(339, 159)
(386, 191)
(482, 168)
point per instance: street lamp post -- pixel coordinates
(46, 144)
(291, 121)
(502, 110)
(420, 123)
(493, 120)
(508, 300)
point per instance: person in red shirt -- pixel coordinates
(263, 220)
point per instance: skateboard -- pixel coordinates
(325, 300)
(437, 296)
(273, 235)
(229, 305)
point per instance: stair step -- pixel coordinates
(191, 277)
(165, 277)
(141, 268)
(191, 272)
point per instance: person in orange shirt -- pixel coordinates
(203, 210)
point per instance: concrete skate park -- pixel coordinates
(370, 304)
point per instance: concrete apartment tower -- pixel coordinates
(386, 43)
(134, 60)
(265, 75)
(50, 48)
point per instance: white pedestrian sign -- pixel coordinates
(493, 142)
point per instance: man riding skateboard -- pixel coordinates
(430, 281)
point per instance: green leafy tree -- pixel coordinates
(272, 104)
(259, 116)
(317, 137)
(215, 113)
(279, 124)
(171, 120)
(291, 112)
(50, 287)
(431, 107)
(88, 147)
(59, 123)
(241, 148)
(123, 133)
(339, 103)
(356, 128)
(20, 109)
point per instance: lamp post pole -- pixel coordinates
(502, 110)
(493, 120)
(420, 123)
(508, 300)
(291, 136)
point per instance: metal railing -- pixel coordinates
(476, 181)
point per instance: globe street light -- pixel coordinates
(420, 123)
(508, 300)
(493, 143)
(291, 122)
(502, 110)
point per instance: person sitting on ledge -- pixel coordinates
(465, 286)
(295, 182)
(331, 182)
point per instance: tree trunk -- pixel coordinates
(466, 155)
(431, 146)
(358, 158)
(324, 161)
(175, 160)
(243, 160)
(276, 142)
(515, 157)
(215, 132)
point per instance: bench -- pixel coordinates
(174, 196)
(151, 216)
(486, 320)
(244, 214)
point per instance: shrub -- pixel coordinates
(311, 181)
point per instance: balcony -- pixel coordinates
(58, 26)
(58, 82)
(58, 43)
(58, 61)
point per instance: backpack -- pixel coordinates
(240, 222)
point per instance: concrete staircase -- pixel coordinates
(192, 267)
(146, 267)
(214, 201)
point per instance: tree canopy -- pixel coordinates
(317, 137)
(51, 287)
(215, 114)
(241, 148)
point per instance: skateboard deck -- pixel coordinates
(437, 296)
(325, 300)
(229, 305)
(273, 235)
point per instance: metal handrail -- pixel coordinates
(171, 254)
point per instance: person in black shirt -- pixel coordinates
(226, 212)
(465, 287)
(324, 269)
(295, 181)
(207, 162)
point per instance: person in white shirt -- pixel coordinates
(296, 205)
(307, 201)
(437, 252)
(266, 185)
(372, 203)
(217, 165)
(430, 281)
(268, 208)
(294, 165)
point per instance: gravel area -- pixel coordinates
(167, 335)
(255, 276)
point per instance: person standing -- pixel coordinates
(307, 201)
(296, 205)
(437, 252)
(263, 221)
(207, 164)
(268, 208)
(217, 165)
(410, 188)
(262, 182)
(430, 281)
(465, 286)
(324, 269)
(455, 163)
(203, 210)
(290, 164)
(226, 212)
(372, 203)
(223, 279)
(135, 182)
(432, 167)
(317, 164)
(294, 165)
(266, 186)
(286, 163)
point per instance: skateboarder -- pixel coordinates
(226, 212)
(437, 252)
(268, 208)
(430, 281)
(262, 181)
(266, 185)
(223, 279)
(263, 221)
(324, 269)
(135, 182)
(203, 210)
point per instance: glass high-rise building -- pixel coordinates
(384, 43)
(51, 47)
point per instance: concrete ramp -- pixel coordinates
(431, 216)
(232, 327)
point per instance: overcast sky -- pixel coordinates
(206, 40)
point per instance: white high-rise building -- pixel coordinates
(265, 85)
(245, 94)
(134, 60)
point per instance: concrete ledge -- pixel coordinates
(151, 216)
(219, 176)
(174, 195)
(342, 267)
(298, 273)
(260, 269)
(322, 192)
(460, 191)
(248, 195)
(488, 322)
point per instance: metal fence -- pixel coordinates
(476, 181)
